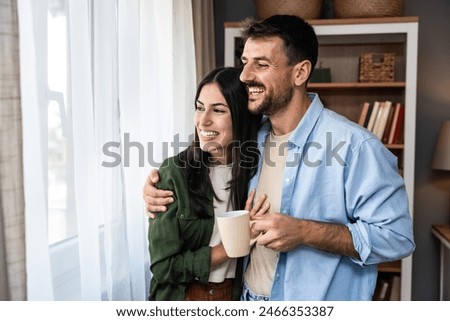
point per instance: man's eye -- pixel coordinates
(262, 65)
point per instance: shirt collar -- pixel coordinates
(304, 128)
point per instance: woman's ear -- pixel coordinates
(302, 70)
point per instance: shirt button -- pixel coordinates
(181, 215)
(211, 292)
(288, 180)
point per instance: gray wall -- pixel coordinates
(432, 188)
(433, 106)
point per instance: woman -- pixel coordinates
(188, 261)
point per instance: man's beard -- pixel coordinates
(273, 104)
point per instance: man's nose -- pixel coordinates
(246, 74)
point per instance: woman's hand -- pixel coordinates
(218, 255)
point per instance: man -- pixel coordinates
(338, 206)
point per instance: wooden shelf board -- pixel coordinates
(395, 146)
(321, 22)
(353, 85)
(442, 232)
(390, 267)
(352, 21)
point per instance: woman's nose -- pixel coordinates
(205, 119)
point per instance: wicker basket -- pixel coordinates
(307, 9)
(376, 67)
(367, 8)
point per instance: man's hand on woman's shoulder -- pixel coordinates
(155, 199)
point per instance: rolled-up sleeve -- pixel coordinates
(377, 205)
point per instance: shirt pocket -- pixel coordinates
(186, 214)
(195, 231)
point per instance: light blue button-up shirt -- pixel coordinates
(338, 172)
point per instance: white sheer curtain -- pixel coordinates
(131, 81)
(32, 29)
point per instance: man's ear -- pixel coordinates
(302, 70)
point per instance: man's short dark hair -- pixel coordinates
(299, 37)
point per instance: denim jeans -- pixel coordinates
(248, 295)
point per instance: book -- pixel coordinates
(395, 289)
(384, 292)
(394, 122)
(377, 123)
(373, 116)
(399, 125)
(369, 113)
(363, 115)
(401, 136)
(383, 119)
(387, 129)
(382, 289)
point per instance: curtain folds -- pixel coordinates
(12, 225)
(131, 85)
(33, 84)
(203, 17)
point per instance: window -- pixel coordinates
(61, 220)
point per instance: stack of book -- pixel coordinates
(387, 288)
(384, 119)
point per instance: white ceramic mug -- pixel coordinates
(234, 229)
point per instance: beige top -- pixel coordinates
(261, 268)
(220, 176)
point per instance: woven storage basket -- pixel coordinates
(376, 67)
(367, 8)
(307, 9)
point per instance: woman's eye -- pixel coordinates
(199, 108)
(219, 111)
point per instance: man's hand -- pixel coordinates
(278, 232)
(283, 233)
(259, 208)
(155, 199)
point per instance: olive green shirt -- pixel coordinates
(179, 241)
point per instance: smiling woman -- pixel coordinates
(188, 259)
